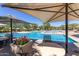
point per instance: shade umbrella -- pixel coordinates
(48, 12)
(7, 19)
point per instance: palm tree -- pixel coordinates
(34, 26)
(47, 26)
(27, 27)
(72, 26)
(1, 28)
(6, 28)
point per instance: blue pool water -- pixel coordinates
(40, 36)
(2, 34)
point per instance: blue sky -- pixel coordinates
(4, 11)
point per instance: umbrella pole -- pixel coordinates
(66, 28)
(11, 30)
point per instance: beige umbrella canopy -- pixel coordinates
(47, 12)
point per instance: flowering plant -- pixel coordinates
(22, 41)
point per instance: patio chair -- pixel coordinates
(27, 48)
(15, 49)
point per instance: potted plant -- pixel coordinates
(19, 45)
(22, 41)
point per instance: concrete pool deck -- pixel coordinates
(50, 49)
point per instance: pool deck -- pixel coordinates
(56, 49)
(50, 49)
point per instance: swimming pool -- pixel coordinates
(2, 34)
(40, 36)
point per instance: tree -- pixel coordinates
(47, 26)
(34, 26)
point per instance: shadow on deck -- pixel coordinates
(72, 49)
(6, 51)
